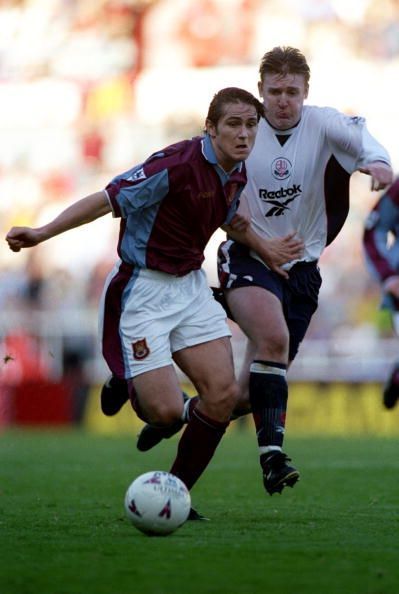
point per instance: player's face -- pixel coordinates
(283, 97)
(234, 135)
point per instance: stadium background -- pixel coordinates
(88, 88)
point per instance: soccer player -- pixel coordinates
(298, 183)
(381, 246)
(156, 302)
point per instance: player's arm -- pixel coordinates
(358, 150)
(274, 252)
(380, 253)
(376, 161)
(381, 174)
(81, 212)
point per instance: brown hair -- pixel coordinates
(284, 60)
(232, 95)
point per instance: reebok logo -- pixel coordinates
(281, 193)
(273, 198)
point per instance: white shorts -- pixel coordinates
(146, 316)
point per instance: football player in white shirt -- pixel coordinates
(298, 186)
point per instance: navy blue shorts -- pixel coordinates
(298, 295)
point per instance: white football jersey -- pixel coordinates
(303, 185)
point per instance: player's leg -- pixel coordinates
(157, 400)
(205, 321)
(209, 366)
(151, 434)
(201, 348)
(158, 396)
(259, 314)
(114, 393)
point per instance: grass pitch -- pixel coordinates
(63, 529)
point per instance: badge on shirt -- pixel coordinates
(140, 349)
(137, 174)
(281, 168)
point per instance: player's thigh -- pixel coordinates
(201, 346)
(210, 368)
(254, 295)
(259, 313)
(159, 394)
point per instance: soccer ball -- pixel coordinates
(157, 502)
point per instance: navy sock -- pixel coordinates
(268, 393)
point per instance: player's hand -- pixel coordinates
(280, 250)
(391, 285)
(22, 237)
(381, 175)
(240, 222)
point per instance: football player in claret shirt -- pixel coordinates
(298, 186)
(381, 246)
(156, 302)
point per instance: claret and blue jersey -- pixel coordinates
(172, 203)
(381, 236)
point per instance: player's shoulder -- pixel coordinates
(330, 120)
(317, 113)
(182, 149)
(175, 155)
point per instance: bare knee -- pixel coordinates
(162, 413)
(220, 400)
(274, 346)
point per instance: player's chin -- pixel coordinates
(242, 153)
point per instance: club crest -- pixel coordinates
(140, 349)
(281, 168)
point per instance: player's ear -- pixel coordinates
(210, 128)
(306, 91)
(260, 89)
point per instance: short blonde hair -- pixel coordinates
(284, 60)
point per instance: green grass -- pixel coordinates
(63, 529)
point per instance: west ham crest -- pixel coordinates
(140, 349)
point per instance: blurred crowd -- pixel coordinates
(90, 87)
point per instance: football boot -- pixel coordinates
(114, 394)
(277, 474)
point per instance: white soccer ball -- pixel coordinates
(157, 502)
